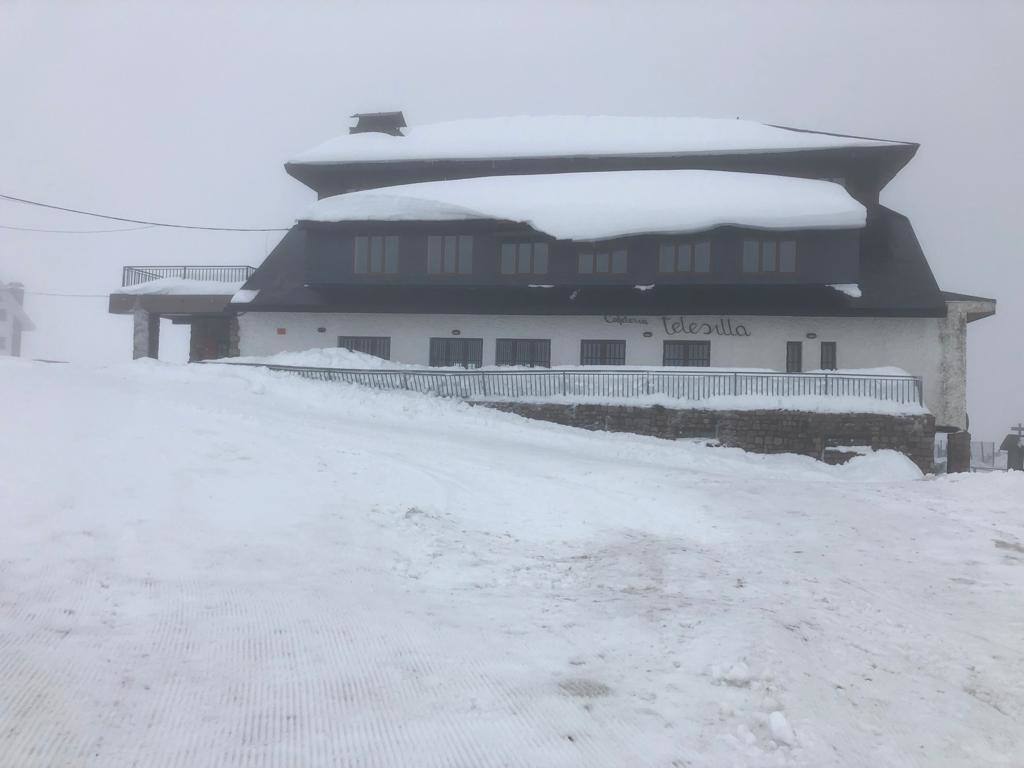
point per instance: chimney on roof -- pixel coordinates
(390, 123)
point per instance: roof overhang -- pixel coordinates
(169, 305)
(974, 307)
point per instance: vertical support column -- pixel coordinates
(146, 334)
(958, 452)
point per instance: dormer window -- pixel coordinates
(602, 262)
(450, 255)
(684, 258)
(376, 255)
(769, 256)
(524, 258)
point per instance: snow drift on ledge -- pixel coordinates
(596, 206)
(339, 358)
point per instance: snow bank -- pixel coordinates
(595, 206)
(573, 135)
(221, 564)
(178, 286)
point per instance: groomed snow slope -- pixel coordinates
(595, 206)
(573, 136)
(213, 566)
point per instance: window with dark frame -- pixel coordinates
(828, 356)
(469, 353)
(375, 255)
(769, 256)
(602, 352)
(449, 254)
(378, 346)
(794, 357)
(525, 258)
(602, 262)
(684, 258)
(531, 352)
(691, 354)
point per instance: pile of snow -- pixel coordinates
(218, 561)
(573, 136)
(596, 206)
(325, 357)
(245, 295)
(848, 289)
(179, 286)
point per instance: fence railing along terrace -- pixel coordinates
(681, 385)
(219, 273)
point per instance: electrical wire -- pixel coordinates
(70, 295)
(75, 231)
(139, 221)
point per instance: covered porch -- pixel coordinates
(198, 296)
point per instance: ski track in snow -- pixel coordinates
(207, 567)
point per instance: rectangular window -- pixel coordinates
(524, 259)
(450, 255)
(3, 342)
(769, 256)
(469, 353)
(3, 315)
(532, 352)
(787, 256)
(378, 346)
(376, 255)
(603, 262)
(692, 354)
(794, 357)
(682, 258)
(602, 352)
(828, 356)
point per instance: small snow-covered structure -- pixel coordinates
(13, 319)
(1013, 444)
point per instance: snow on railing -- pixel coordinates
(619, 384)
(216, 273)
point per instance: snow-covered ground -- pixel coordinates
(217, 566)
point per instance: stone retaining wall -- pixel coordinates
(757, 431)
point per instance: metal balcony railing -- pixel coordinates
(625, 383)
(222, 274)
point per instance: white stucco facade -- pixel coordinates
(933, 348)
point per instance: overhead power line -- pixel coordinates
(139, 221)
(70, 295)
(75, 231)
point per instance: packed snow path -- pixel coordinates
(227, 567)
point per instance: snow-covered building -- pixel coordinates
(552, 241)
(13, 320)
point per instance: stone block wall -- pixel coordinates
(800, 432)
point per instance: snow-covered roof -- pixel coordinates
(574, 136)
(178, 286)
(597, 206)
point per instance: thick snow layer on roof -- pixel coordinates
(178, 286)
(574, 135)
(595, 206)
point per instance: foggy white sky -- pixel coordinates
(186, 112)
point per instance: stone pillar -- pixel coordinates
(958, 452)
(146, 336)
